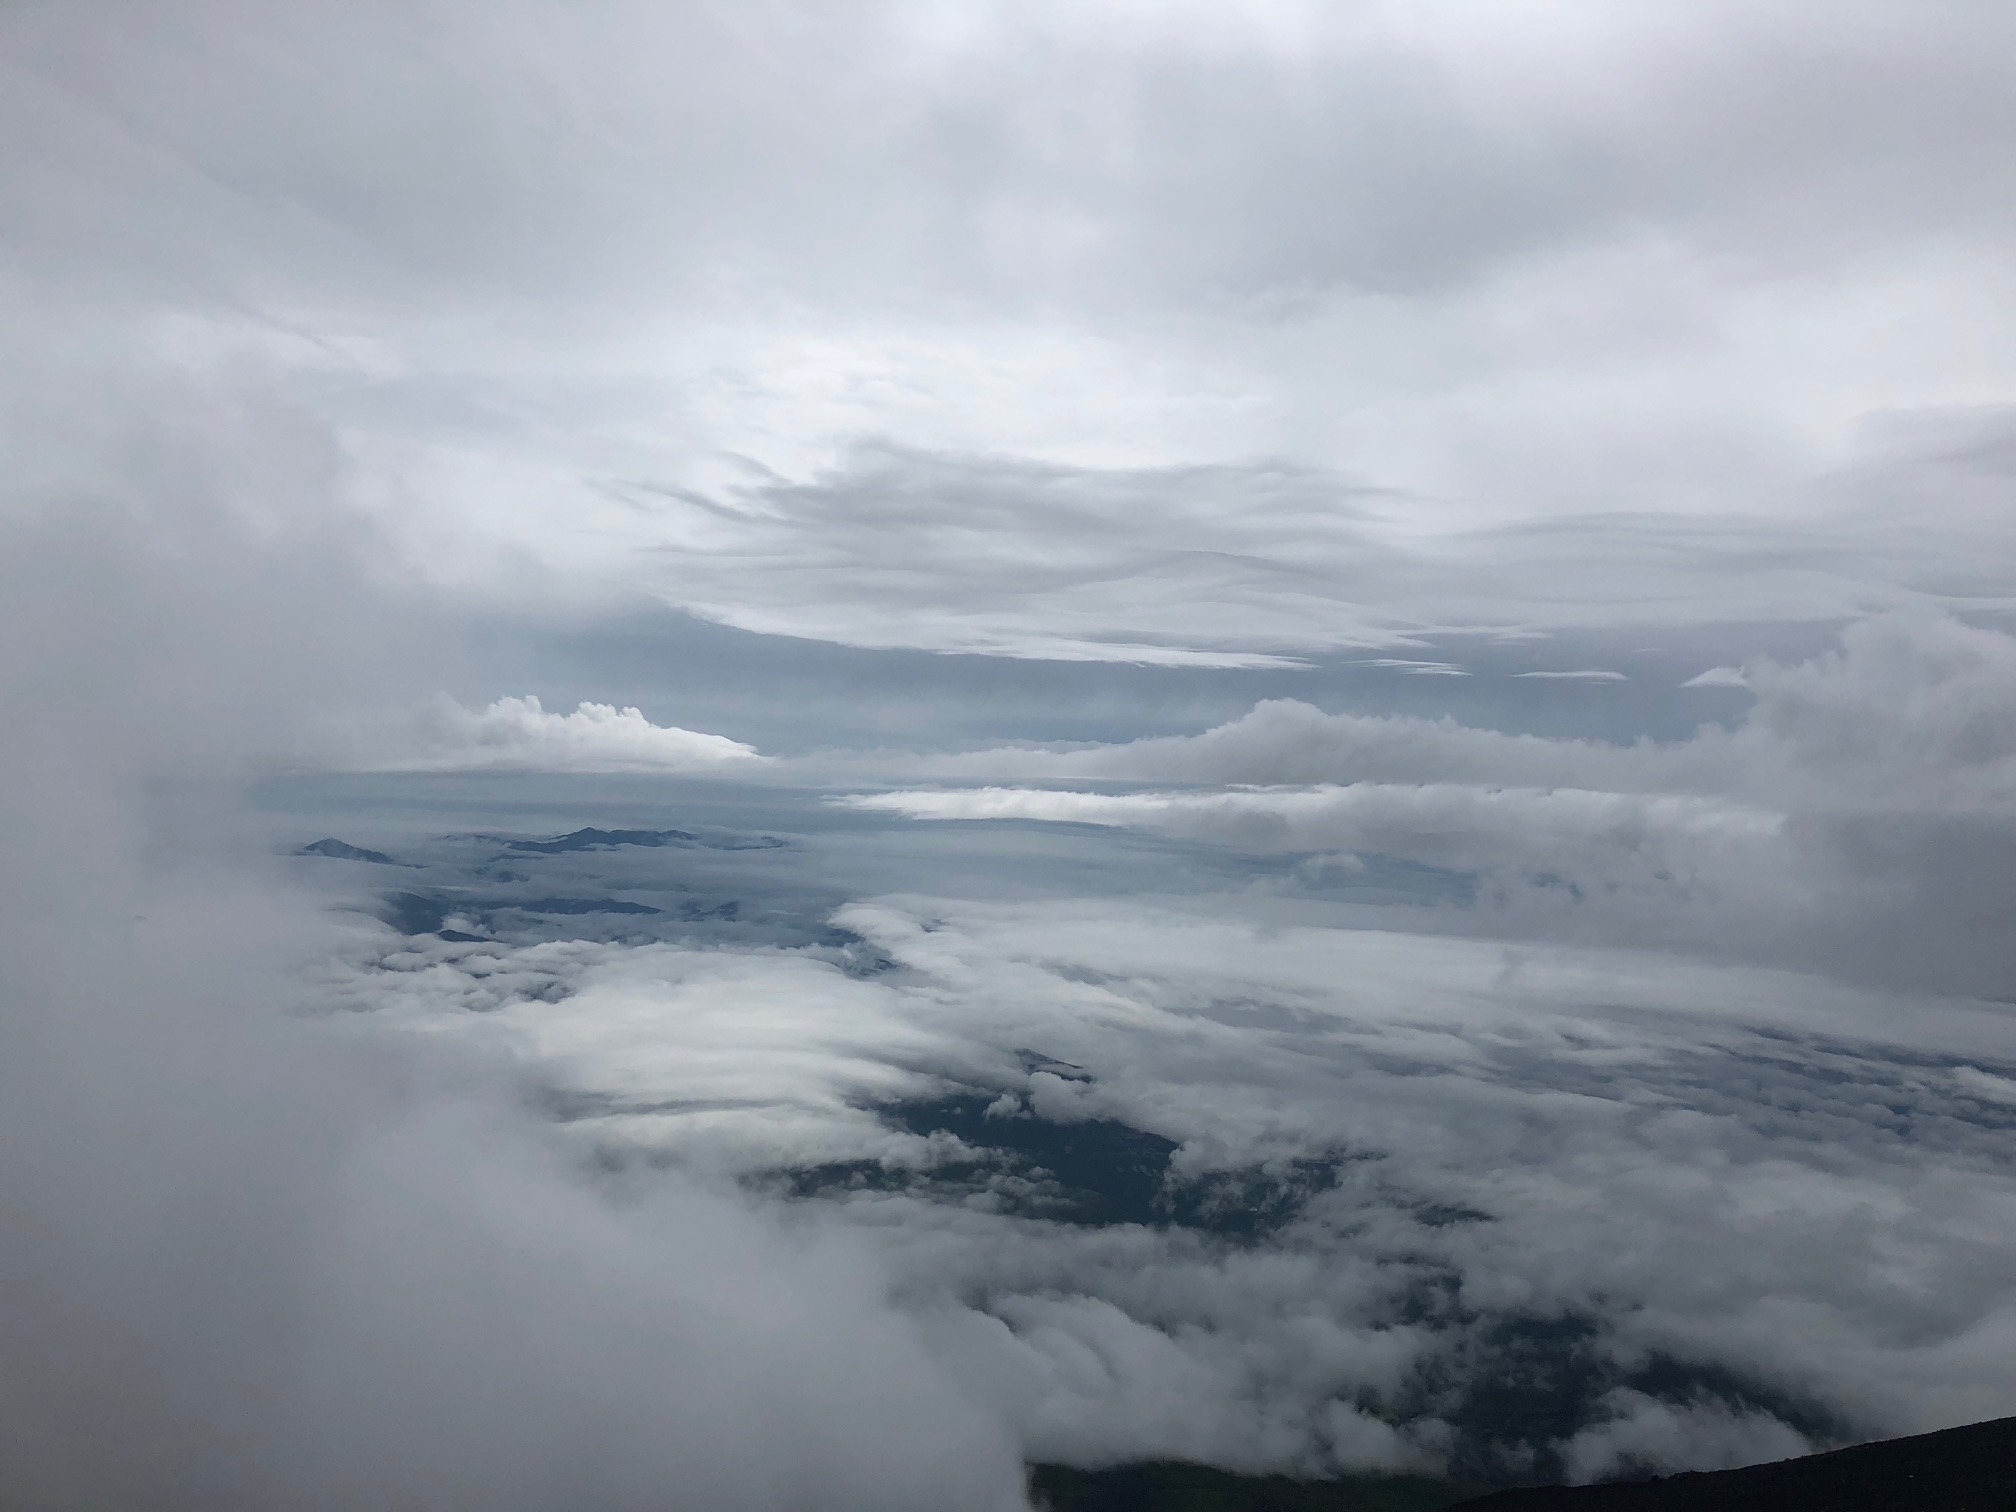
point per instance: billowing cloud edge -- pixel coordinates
(520, 734)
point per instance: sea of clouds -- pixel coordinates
(1669, 1104)
(1303, 722)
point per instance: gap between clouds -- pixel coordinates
(1910, 713)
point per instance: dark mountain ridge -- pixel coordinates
(341, 850)
(1969, 1469)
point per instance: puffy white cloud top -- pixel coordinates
(519, 734)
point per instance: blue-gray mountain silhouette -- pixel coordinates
(601, 839)
(343, 851)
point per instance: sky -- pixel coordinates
(1402, 617)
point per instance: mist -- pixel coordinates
(253, 1260)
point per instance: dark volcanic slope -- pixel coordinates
(1970, 1469)
(1194, 1488)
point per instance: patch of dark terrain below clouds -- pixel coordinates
(1510, 1386)
(1087, 1171)
(496, 889)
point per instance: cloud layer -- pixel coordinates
(1255, 565)
(1766, 1175)
(1861, 818)
(1725, 279)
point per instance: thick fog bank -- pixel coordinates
(251, 1261)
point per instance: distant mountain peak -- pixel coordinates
(1035, 1060)
(600, 839)
(341, 850)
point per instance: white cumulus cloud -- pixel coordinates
(519, 734)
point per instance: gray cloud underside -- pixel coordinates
(1225, 145)
(602, 298)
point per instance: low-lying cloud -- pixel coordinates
(1618, 1159)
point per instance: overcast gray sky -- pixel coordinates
(1160, 332)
